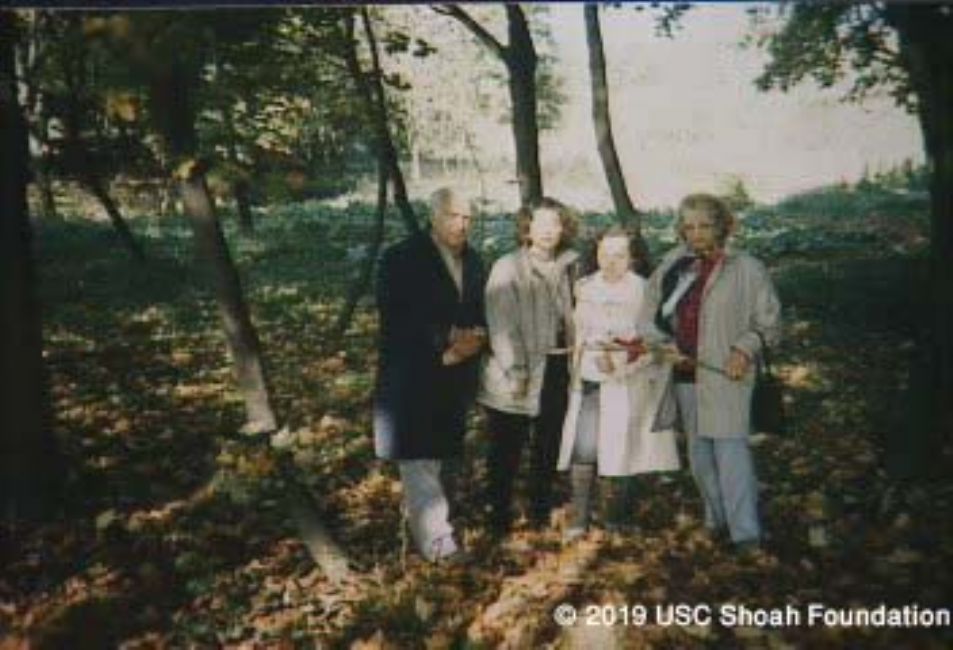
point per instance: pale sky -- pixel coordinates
(686, 115)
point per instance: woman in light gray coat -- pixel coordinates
(720, 307)
(525, 377)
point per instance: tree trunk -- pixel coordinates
(363, 281)
(241, 186)
(28, 457)
(626, 212)
(44, 182)
(936, 116)
(34, 108)
(173, 108)
(174, 113)
(521, 62)
(927, 53)
(519, 56)
(97, 188)
(80, 162)
(373, 95)
(240, 334)
(415, 171)
(246, 222)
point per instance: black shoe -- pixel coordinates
(498, 527)
(747, 547)
(540, 520)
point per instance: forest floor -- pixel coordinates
(174, 530)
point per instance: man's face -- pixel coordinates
(700, 233)
(451, 226)
(613, 256)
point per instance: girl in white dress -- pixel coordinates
(616, 390)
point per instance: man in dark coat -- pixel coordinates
(432, 328)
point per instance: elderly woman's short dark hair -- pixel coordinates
(721, 215)
(567, 218)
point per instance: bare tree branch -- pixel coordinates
(475, 28)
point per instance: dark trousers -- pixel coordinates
(508, 435)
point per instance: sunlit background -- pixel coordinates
(687, 116)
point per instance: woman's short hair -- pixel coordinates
(567, 218)
(721, 216)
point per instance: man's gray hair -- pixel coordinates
(443, 197)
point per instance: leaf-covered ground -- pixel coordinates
(174, 531)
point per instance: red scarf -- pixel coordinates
(689, 308)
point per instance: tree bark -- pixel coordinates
(240, 333)
(44, 182)
(35, 112)
(241, 186)
(79, 160)
(373, 95)
(363, 280)
(626, 212)
(29, 460)
(521, 62)
(171, 97)
(927, 52)
(519, 57)
(97, 188)
(246, 222)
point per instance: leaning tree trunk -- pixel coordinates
(171, 99)
(240, 333)
(81, 162)
(28, 457)
(173, 112)
(927, 53)
(521, 63)
(372, 94)
(97, 188)
(363, 281)
(626, 212)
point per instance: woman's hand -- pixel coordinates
(634, 348)
(521, 388)
(738, 364)
(604, 363)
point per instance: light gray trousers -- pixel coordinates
(428, 511)
(723, 469)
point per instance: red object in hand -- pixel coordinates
(634, 348)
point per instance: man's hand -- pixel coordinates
(464, 343)
(738, 364)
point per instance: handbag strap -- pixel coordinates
(765, 354)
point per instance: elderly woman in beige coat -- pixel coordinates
(720, 307)
(616, 396)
